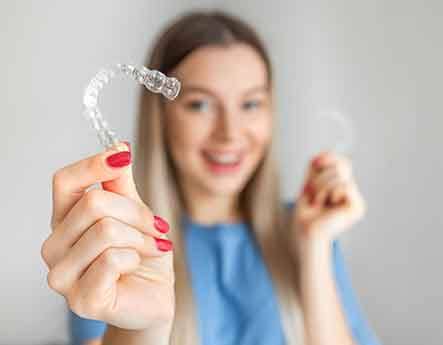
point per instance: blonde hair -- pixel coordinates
(261, 200)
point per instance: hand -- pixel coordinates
(104, 255)
(330, 202)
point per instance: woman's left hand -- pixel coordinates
(330, 202)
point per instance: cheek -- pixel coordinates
(261, 134)
(184, 135)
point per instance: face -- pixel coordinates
(219, 127)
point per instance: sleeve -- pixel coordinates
(81, 329)
(361, 332)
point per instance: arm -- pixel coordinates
(156, 335)
(329, 205)
(94, 342)
(93, 332)
(361, 331)
(325, 321)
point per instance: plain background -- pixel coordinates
(377, 62)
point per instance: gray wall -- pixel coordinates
(377, 62)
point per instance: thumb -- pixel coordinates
(124, 184)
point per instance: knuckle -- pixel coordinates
(45, 251)
(93, 202)
(111, 259)
(57, 179)
(105, 230)
(54, 281)
(94, 163)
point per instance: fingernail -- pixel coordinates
(161, 225)
(312, 199)
(163, 245)
(119, 159)
(317, 162)
(308, 189)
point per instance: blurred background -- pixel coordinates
(379, 63)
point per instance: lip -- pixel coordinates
(222, 169)
(220, 152)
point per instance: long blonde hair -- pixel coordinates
(261, 201)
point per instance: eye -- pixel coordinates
(197, 105)
(251, 104)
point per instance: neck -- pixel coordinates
(205, 208)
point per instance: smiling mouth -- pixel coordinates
(226, 162)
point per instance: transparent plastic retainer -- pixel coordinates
(153, 80)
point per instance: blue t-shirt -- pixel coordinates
(233, 291)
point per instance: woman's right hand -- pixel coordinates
(105, 255)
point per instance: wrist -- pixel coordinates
(312, 246)
(158, 334)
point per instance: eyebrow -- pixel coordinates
(196, 88)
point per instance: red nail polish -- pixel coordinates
(312, 199)
(161, 225)
(308, 189)
(163, 245)
(317, 162)
(119, 159)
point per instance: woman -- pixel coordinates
(247, 268)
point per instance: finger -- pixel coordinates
(322, 178)
(96, 291)
(345, 213)
(303, 202)
(337, 169)
(70, 182)
(325, 190)
(328, 159)
(323, 160)
(93, 206)
(337, 195)
(124, 184)
(319, 164)
(160, 269)
(107, 233)
(333, 218)
(356, 199)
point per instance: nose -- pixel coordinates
(227, 125)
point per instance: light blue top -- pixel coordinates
(236, 302)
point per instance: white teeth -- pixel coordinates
(224, 159)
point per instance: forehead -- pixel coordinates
(223, 69)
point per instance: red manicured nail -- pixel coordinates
(163, 245)
(317, 162)
(308, 189)
(161, 225)
(312, 199)
(119, 159)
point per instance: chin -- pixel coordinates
(225, 189)
(227, 185)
